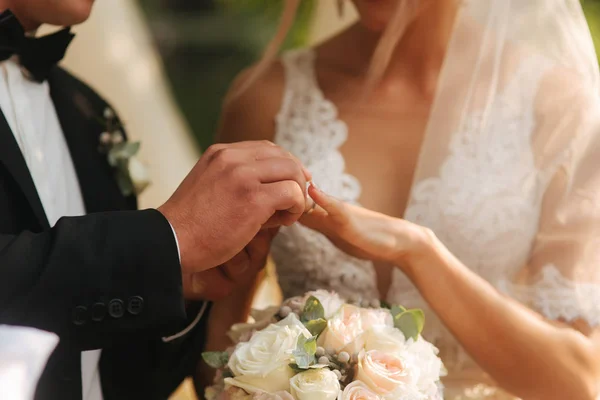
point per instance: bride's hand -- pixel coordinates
(363, 233)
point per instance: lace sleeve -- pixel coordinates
(562, 277)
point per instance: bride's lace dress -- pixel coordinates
(468, 204)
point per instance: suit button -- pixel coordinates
(116, 309)
(98, 312)
(80, 315)
(135, 305)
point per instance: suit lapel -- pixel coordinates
(12, 158)
(78, 115)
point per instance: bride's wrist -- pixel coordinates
(422, 248)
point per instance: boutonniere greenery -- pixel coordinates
(131, 174)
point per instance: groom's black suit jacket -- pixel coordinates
(109, 280)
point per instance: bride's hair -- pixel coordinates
(405, 12)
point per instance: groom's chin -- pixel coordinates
(73, 12)
(33, 13)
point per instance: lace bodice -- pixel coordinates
(484, 204)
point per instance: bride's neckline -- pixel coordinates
(304, 62)
(312, 59)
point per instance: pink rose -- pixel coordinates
(344, 331)
(381, 372)
(357, 390)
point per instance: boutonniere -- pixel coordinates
(131, 174)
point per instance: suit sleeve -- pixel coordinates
(95, 280)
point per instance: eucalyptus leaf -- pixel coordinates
(216, 359)
(410, 322)
(313, 309)
(395, 310)
(310, 346)
(316, 326)
(304, 355)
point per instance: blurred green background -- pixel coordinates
(205, 43)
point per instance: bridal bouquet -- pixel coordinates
(319, 347)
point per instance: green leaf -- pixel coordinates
(216, 359)
(313, 309)
(316, 326)
(304, 355)
(410, 322)
(310, 346)
(395, 310)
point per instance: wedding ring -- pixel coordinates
(312, 207)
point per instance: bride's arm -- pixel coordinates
(525, 353)
(528, 355)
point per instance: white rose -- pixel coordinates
(344, 331)
(357, 390)
(315, 384)
(424, 365)
(385, 339)
(138, 174)
(331, 301)
(262, 363)
(242, 332)
(376, 317)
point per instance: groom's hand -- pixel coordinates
(241, 270)
(233, 191)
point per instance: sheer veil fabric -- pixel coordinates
(518, 96)
(511, 162)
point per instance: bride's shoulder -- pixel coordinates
(251, 103)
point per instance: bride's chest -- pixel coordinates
(382, 155)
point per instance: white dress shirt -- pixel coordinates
(31, 115)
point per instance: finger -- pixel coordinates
(281, 169)
(317, 219)
(284, 196)
(237, 267)
(263, 153)
(281, 218)
(332, 206)
(258, 249)
(254, 151)
(242, 152)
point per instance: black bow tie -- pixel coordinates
(36, 55)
